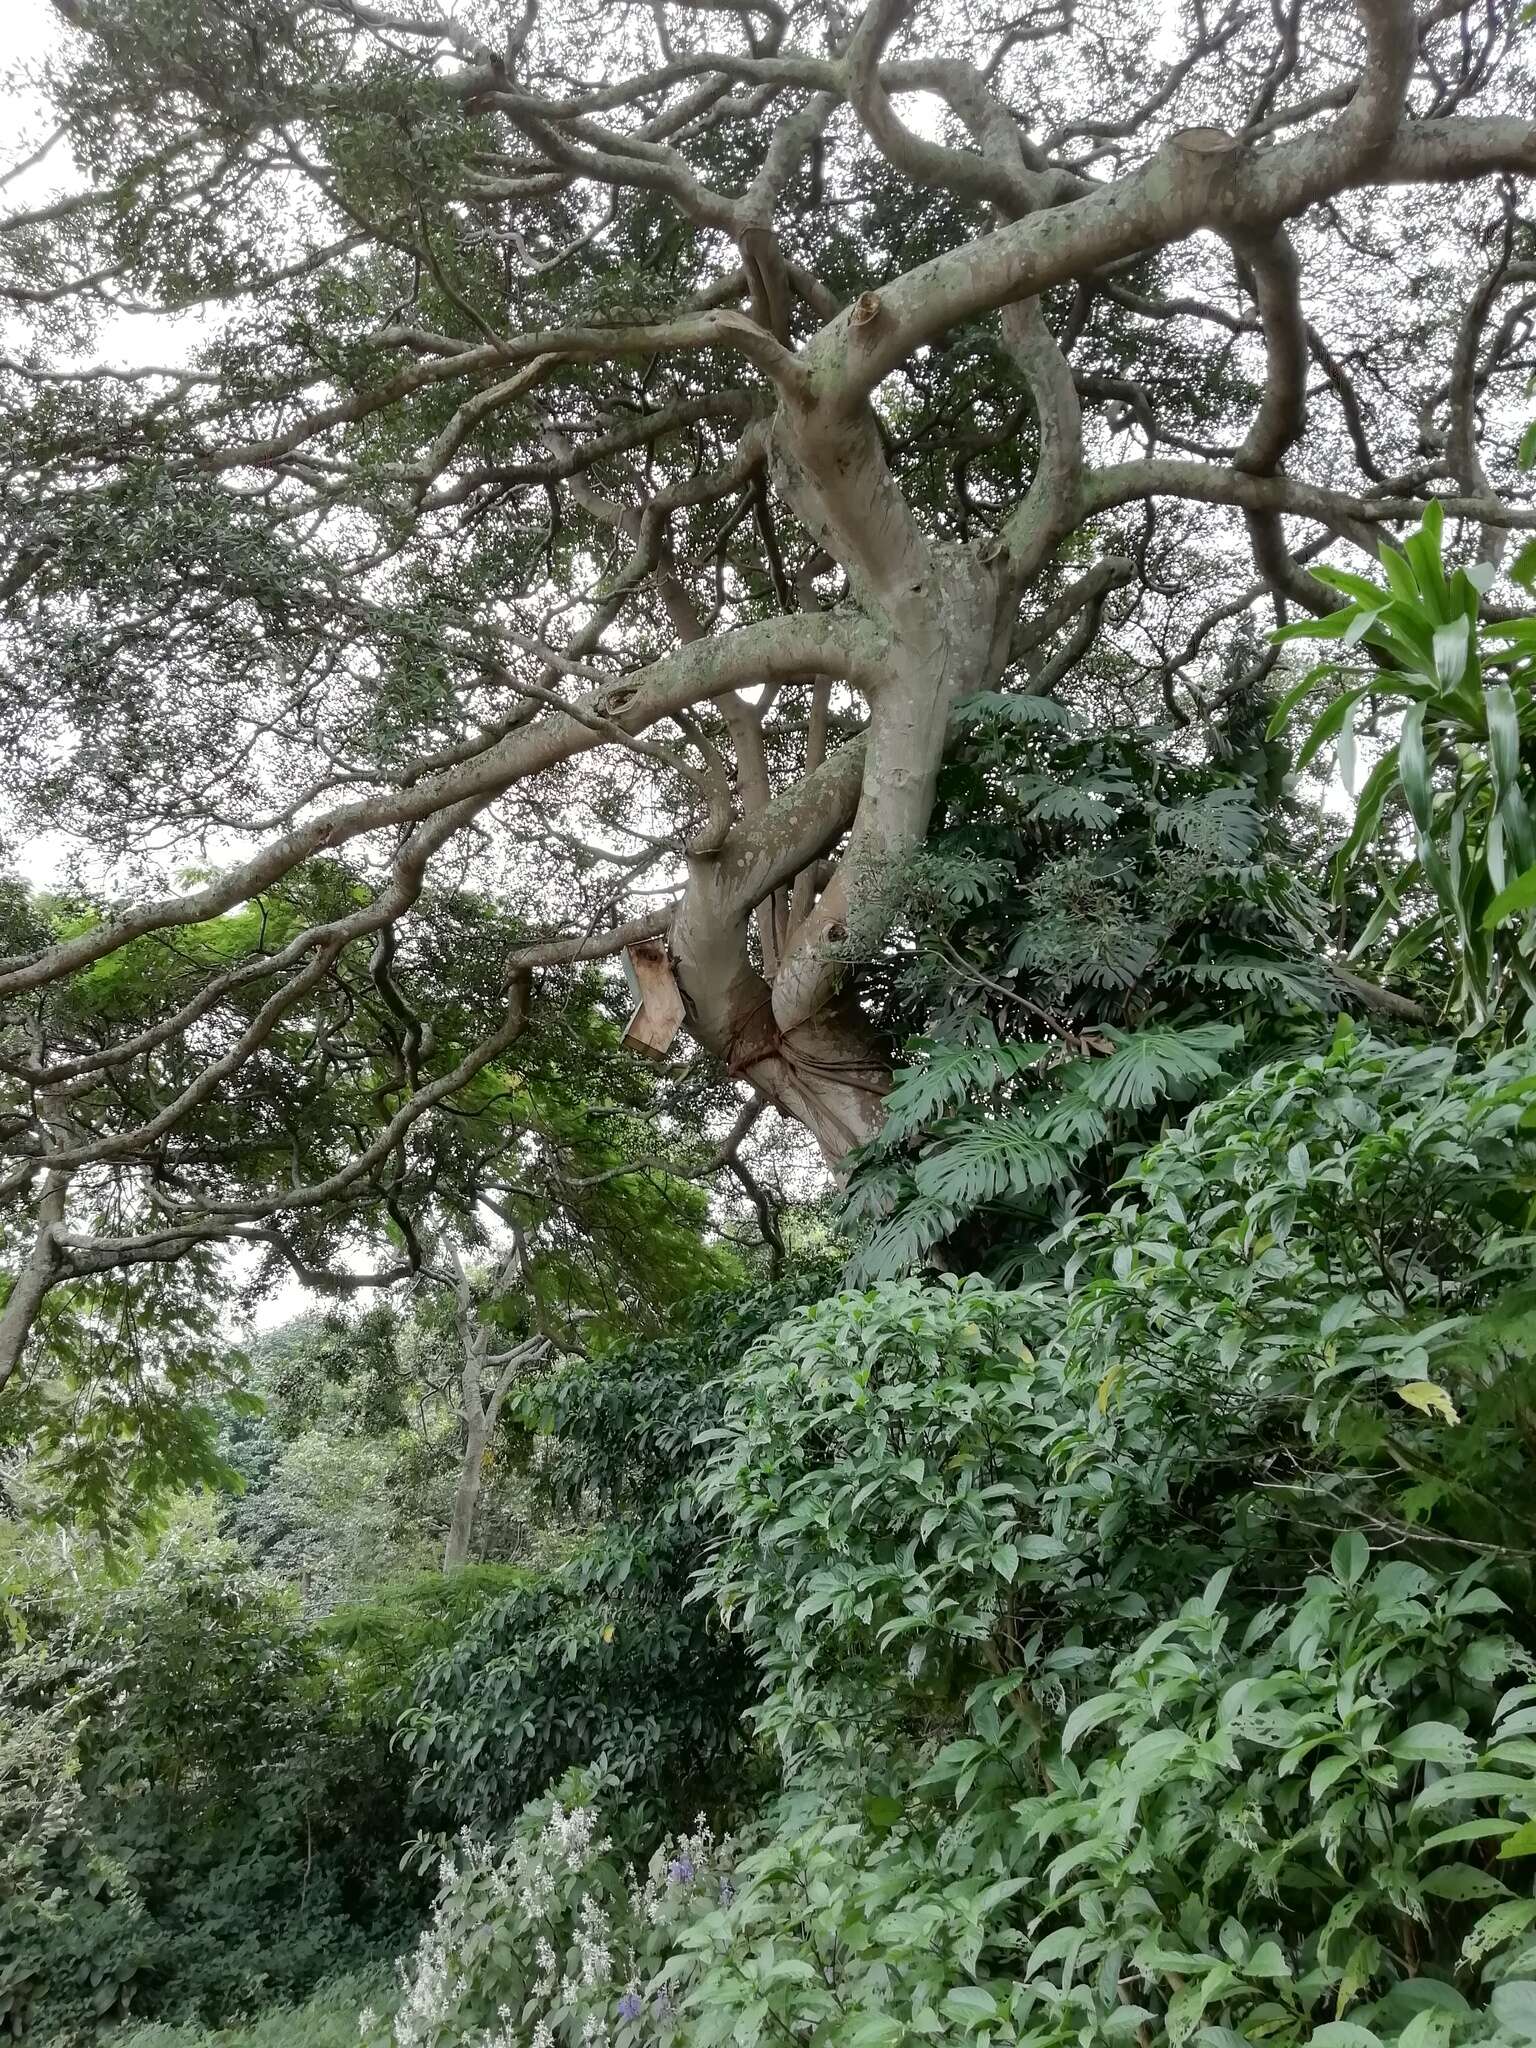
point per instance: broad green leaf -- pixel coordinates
(1451, 643)
(1349, 1558)
(1514, 2007)
(1432, 1742)
(1518, 896)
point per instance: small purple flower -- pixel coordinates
(662, 2004)
(727, 1891)
(630, 2007)
(681, 1871)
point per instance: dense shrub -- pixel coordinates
(1099, 1721)
(1313, 1306)
(326, 2019)
(602, 1660)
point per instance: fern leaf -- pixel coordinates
(1221, 823)
(1250, 973)
(1007, 707)
(899, 1244)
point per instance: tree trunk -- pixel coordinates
(800, 1038)
(828, 1072)
(35, 1278)
(466, 1498)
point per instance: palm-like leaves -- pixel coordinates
(1460, 766)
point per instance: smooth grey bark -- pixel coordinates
(35, 1278)
(485, 1379)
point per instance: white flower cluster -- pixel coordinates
(589, 1954)
(571, 1835)
(593, 1935)
(425, 1983)
(504, 2035)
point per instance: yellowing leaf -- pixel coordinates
(1429, 1399)
(1107, 1387)
(608, 1633)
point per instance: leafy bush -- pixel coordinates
(1267, 1820)
(1097, 1719)
(602, 1659)
(893, 1476)
(379, 1646)
(1313, 1305)
(326, 2019)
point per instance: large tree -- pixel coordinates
(593, 449)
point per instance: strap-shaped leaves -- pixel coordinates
(1459, 769)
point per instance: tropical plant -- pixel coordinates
(1458, 688)
(1029, 1127)
(1103, 926)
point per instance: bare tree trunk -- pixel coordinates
(479, 1404)
(793, 1028)
(466, 1499)
(35, 1278)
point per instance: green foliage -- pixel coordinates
(1317, 1297)
(326, 2019)
(1138, 914)
(228, 1839)
(1275, 1807)
(379, 1646)
(605, 1657)
(1460, 769)
(122, 1411)
(348, 1469)
(885, 1476)
(1266, 1820)
(1097, 1715)
(599, 1659)
(619, 1434)
(1037, 1121)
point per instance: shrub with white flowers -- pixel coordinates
(549, 1940)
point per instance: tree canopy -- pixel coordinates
(587, 461)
